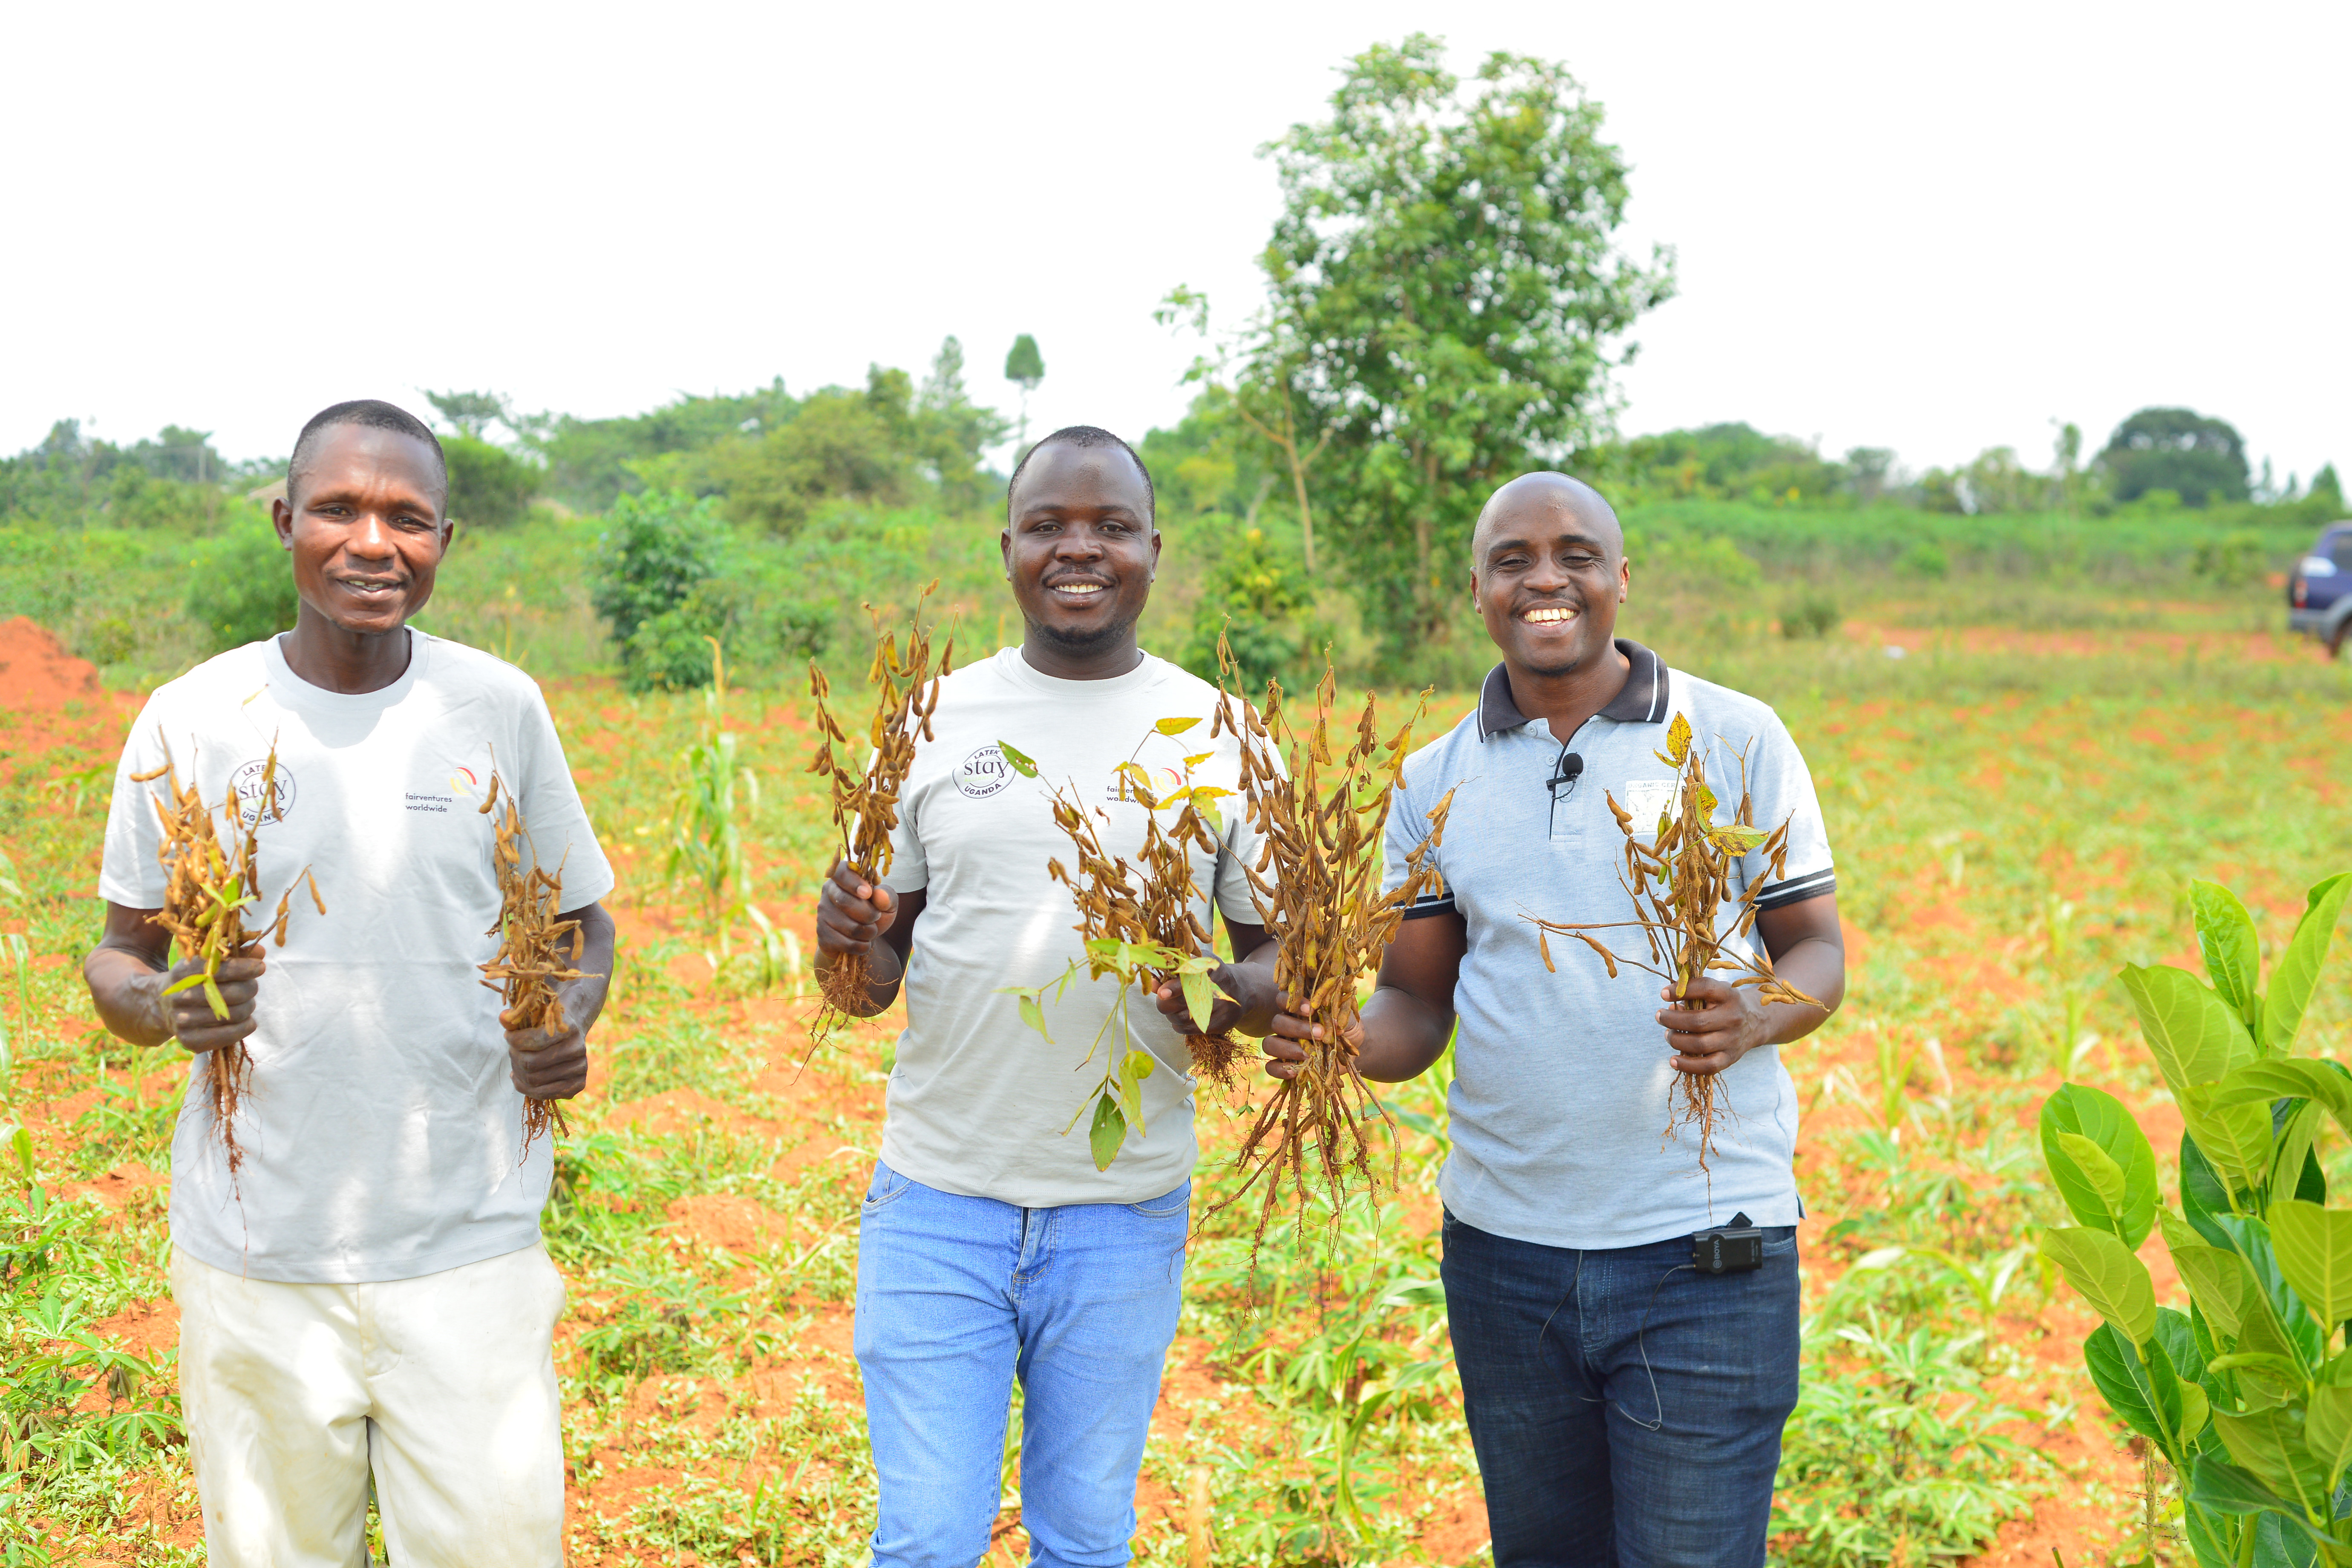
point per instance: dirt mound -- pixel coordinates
(36, 674)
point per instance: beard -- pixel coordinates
(1110, 634)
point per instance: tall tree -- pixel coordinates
(2177, 449)
(1445, 257)
(1024, 367)
(1261, 374)
(471, 414)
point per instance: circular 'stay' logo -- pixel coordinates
(984, 774)
(245, 788)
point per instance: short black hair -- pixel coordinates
(1085, 436)
(369, 413)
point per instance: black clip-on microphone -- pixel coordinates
(1571, 768)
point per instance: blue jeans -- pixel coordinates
(955, 1297)
(1626, 1409)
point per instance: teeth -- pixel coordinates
(1547, 617)
(1077, 587)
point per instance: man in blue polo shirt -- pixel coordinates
(1625, 1404)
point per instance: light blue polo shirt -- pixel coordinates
(1560, 1097)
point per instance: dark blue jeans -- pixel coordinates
(1626, 1409)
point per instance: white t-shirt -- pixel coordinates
(381, 1131)
(979, 1100)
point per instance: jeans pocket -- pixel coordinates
(1780, 1240)
(886, 1188)
(1167, 1206)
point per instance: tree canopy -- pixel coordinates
(2199, 460)
(1445, 299)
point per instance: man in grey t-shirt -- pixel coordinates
(990, 1245)
(1625, 1401)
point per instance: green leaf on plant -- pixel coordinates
(1019, 760)
(1199, 997)
(1109, 1131)
(1173, 726)
(2126, 1384)
(2314, 1246)
(2105, 1273)
(1031, 1014)
(2268, 1446)
(2297, 973)
(2125, 1204)
(2327, 1430)
(2226, 1489)
(1133, 1068)
(2236, 1138)
(2194, 1036)
(2216, 1281)
(2225, 935)
(1734, 839)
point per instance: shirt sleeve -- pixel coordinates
(1782, 788)
(130, 874)
(561, 833)
(1408, 824)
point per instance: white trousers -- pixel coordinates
(443, 1386)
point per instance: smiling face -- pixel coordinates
(363, 518)
(1080, 548)
(1547, 573)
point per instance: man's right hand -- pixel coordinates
(852, 913)
(189, 1015)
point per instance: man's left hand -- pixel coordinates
(1246, 1000)
(1713, 1025)
(551, 1066)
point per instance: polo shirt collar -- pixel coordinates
(1643, 700)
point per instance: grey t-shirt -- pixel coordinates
(1562, 1081)
(381, 1133)
(980, 1104)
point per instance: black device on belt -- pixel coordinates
(1734, 1249)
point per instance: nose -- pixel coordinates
(371, 539)
(1077, 544)
(1549, 575)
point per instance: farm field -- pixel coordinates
(2016, 811)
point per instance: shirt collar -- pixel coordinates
(1643, 700)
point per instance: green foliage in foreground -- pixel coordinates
(2247, 1396)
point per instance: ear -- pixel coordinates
(281, 518)
(1625, 579)
(1004, 550)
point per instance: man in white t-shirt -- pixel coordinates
(990, 1245)
(364, 1295)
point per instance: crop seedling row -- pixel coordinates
(207, 891)
(866, 801)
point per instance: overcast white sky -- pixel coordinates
(1935, 228)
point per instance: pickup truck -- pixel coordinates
(2319, 592)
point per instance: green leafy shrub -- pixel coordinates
(1926, 560)
(489, 487)
(2232, 559)
(657, 550)
(2245, 1395)
(1812, 616)
(243, 587)
(1254, 591)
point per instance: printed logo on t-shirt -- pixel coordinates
(245, 787)
(1646, 800)
(984, 774)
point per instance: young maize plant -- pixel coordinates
(1140, 929)
(531, 961)
(206, 894)
(1679, 884)
(1316, 886)
(866, 801)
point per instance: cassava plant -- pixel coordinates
(866, 799)
(207, 889)
(1679, 883)
(1138, 928)
(2248, 1396)
(1316, 886)
(532, 937)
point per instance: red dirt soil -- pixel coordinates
(38, 674)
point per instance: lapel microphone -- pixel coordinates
(1571, 768)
